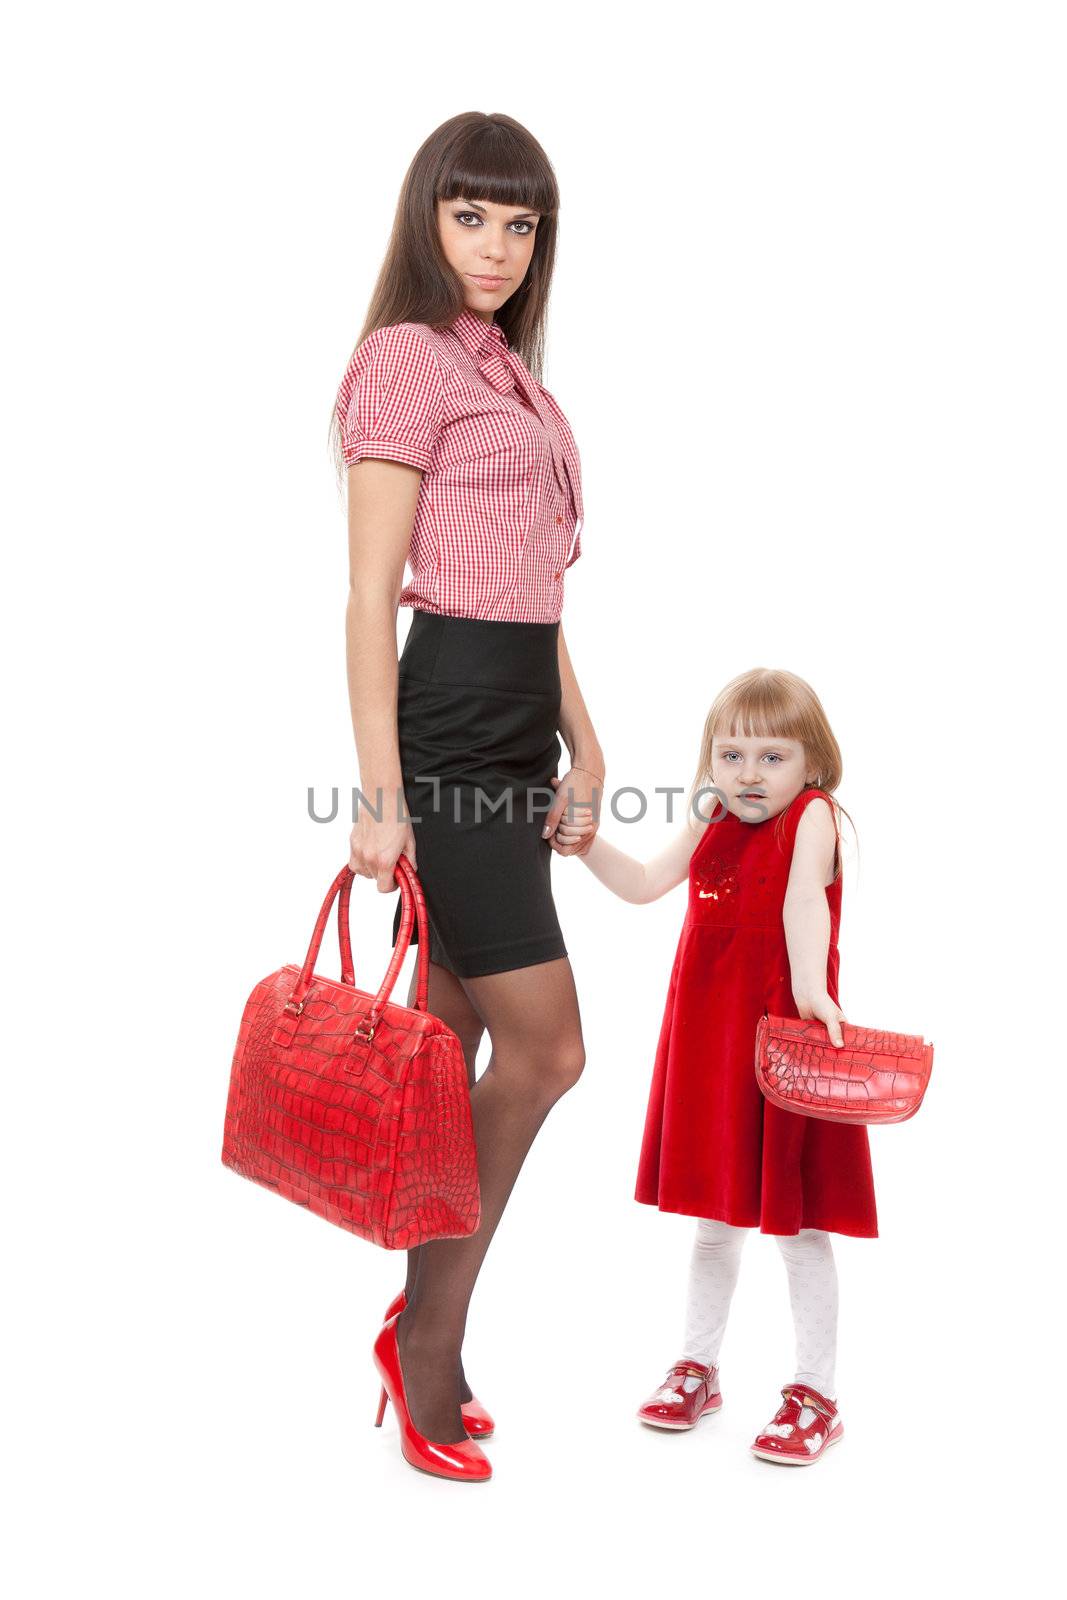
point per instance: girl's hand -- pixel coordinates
(570, 825)
(822, 1009)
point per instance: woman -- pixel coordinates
(459, 462)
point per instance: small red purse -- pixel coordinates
(351, 1105)
(873, 1077)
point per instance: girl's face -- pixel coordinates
(755, 772)
(488, 247)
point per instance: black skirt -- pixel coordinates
(478, 716)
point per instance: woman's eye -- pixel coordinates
(468, 217)
(472, 216)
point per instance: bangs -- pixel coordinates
(759, 711)
(493, 163)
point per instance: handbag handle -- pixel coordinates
(344, 935)
(414, 907)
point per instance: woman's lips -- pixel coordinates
(486, 281)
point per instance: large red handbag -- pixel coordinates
(351, 1105)
(873, 1077)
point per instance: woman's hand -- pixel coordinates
(571, 831)
(376, 847)
(822, 1009)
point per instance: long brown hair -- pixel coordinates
(481, 157)
(769, 703)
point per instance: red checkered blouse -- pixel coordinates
(500, 500)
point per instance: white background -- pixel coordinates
(808, 326)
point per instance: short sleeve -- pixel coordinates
(391, 402)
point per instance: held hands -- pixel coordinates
(570, 825)
(822, 1009)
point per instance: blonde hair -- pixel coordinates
(773, 704)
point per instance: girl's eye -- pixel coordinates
(772, 755)
(730, 755)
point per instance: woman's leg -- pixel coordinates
(531, 1015)
(446, 998)
(809, 1262)
(713, 1269)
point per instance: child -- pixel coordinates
(760, 934)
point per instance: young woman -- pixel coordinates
(460, 463)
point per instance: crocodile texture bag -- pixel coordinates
(873, 1077)
(351, 1105)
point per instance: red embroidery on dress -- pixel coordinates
(717, 879)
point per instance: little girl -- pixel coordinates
(760, 934)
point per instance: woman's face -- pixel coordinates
(488, 247)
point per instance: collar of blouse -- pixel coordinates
(476, 334)
(487, 345)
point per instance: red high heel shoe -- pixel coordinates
(476, 1419)
(464, 1461)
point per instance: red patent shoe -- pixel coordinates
(675, 1406)
(464, 1461)
(476, 1419)
(801, 1430)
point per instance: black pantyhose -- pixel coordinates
(531, 1015)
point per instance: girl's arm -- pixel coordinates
(806, 916)
(642, 881)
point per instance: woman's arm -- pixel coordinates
(381, 512)
(581, 785)
(640, 882)
(575, 723)
(806, 916)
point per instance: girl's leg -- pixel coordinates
(809, 1263)
(713, 1269)
(447, 999)
(531, 1015)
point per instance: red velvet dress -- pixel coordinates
(713, 1146)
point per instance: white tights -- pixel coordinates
(809, 1263)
